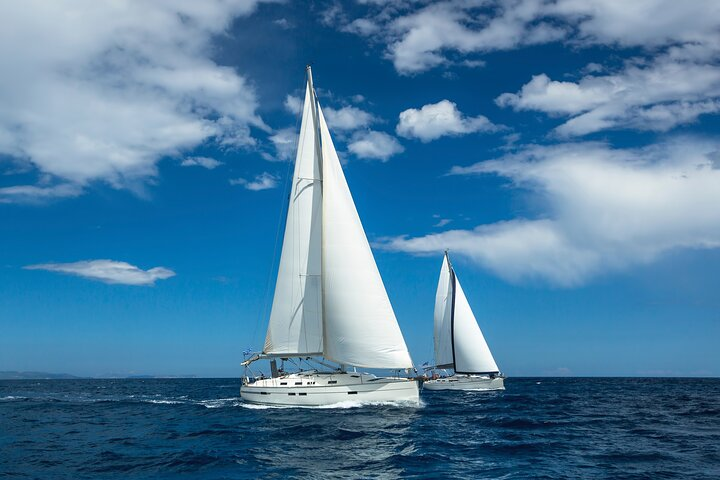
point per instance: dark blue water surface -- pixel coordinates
(579, 428)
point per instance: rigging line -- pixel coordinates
(284, 203)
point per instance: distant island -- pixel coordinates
(15, 375)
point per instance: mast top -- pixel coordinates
(308, 72)
(447, 257)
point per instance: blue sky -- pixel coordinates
(567, 153)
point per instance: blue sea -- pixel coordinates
(549, 428)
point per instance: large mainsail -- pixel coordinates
(329, 297)
(459, 342)
(296, 317)
(360, 325)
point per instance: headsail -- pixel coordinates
(472, 354)
(360, 325)
(296, 317)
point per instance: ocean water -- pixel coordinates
(575, 428)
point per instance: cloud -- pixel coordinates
(362, 26)
(283, 23)
(293, 104)
(672, 89)
(419, 39)
(348, 123)
(103, 90)
(650, 23)
(439, 119)
(347, 118)
(421, 36)
(38, 193)
(108, 271)
(205, 162)
(374, 145)
(264, 181)
(605, 210)
(284, 141)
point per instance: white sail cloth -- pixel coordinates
(329, 296)
(296, 317)
(443, 318)
(459, 342)
(360, 325)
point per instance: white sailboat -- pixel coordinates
(459, 342)
(330, 304)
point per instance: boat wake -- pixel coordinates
(156, 399)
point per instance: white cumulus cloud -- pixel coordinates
(673, 89)
(38, 193)
(293, 104)
(421, 36)
(347, 118)
(375, 145)
(284, 141)
(606, 210)
(108, 271)
(439, 119)
(264, 181)
(205, 162)
(103, 90)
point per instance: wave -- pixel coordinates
(156, 399)
(13, 398)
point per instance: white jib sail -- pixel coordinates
(472, 354)
(443, 320)
(296, 316)
(360, 325)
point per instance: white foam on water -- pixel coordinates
(164, 402)
(220, 402)
(10, 398)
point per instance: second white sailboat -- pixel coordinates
(459, 342)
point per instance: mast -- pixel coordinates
(319, 153)
(316, 123)
(452, 308)
(295, 327)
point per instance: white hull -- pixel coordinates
(317, 389)
(466, 382)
